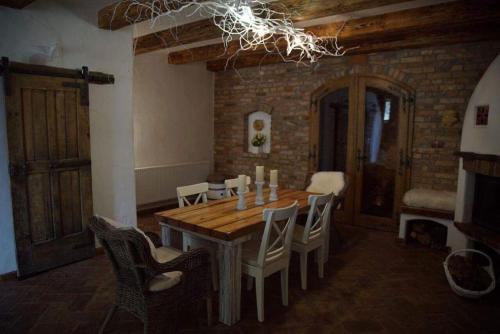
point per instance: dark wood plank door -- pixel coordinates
(49, 155)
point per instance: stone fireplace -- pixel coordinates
(477, 213)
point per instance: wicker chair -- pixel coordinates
(135, 269)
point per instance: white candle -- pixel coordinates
(259, 174)
(242, 183)
(274, 177)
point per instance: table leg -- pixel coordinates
(229, 283)
(166, 235)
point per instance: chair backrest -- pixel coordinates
(318, 217)
(278, 233)
(128, 252)
(199, 189)
(231, 184)
(328, 182)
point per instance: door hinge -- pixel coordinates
(18, 169)
(83, 87)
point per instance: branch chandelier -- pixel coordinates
(253, 23)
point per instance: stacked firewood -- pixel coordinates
(428, 234)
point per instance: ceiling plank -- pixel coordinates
(367, 30)
(300, 10)
(466, 34)
(17, 4)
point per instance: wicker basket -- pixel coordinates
(464, 292)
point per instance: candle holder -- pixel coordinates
(273, 195)
(241, 201)
(259, 198)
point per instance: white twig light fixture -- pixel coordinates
(253, 23)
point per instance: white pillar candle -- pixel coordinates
(259, 174)
(242, 183)
(274, 177)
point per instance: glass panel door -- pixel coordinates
(379, 156)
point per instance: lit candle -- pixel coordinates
(274, 177)
(242, 183)
(259, 174)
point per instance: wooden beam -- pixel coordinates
(126, 12)
(468, 34)
(369, 30)
(17, 4)
(300, 10)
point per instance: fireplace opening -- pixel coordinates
(427, 233)
(486, 207)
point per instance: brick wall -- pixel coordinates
(442, 77)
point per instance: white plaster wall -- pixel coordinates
(484, 140)
(173, 125)
(72, 24)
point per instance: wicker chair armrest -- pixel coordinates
(189, 261)
(155, 238)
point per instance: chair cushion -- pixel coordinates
(165, 281)
(327, 182)
(121, 226)
(166, 254)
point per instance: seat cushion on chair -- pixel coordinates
(166, 254)
(327, 182)
(165, 281)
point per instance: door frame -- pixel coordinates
(353, 83)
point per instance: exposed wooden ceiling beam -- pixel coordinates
(126, 12)
(474, 33)
(301, 10)
(368, 30)
(17, 4)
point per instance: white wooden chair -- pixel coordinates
(325, 183)
(199, 189)
(232, 184)
(268, 254)
(312, 236)
(189, 241)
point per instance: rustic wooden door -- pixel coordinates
(382, 151)
(49, 155)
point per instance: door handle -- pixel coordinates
(404, 161)
(361, 158)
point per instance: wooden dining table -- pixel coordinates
(220, 222)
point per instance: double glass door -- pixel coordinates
(362, 125)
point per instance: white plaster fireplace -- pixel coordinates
(480, 145)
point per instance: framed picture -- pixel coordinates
(482, 115)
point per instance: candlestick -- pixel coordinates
(242, 183)
(259, 174)
(242, 205)
(259, 198)
(274, 177)
(273, 195)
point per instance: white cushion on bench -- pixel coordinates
(430, 199)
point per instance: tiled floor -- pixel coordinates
(372, 285)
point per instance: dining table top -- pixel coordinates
(220, 219)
